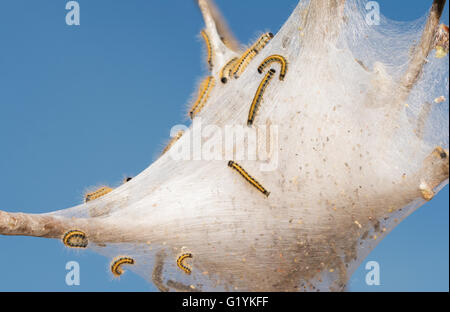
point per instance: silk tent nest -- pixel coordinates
(348, 136)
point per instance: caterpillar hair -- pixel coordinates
(248, 177)
(258, 96)
(271, 59)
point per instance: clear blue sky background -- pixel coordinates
(88, 104)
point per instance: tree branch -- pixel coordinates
(421, 51)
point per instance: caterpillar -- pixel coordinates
(203, 94)
(258, 96)
(172, 141)
(248, 55)
(180, 262)
(208, 49)
(225, 72)
(248, 177)
(117, 262)
(274, 58)
(75, 239)
(98, 193)
(242, 63)
(262, 41)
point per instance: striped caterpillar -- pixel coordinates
(262, 41)
(248, 177)
(117, 262)
(271, 59)
(251, 52)
(243, 62)
(208, 49)
(203, 94)
(258, 96)
(172, 141)
(98, 193)
(225, 72)
(75, 239)
(180, 262)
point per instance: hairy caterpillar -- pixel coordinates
(271, 59)
(248, 177)
(180, 262)
(172, 141)
(242, 63)
(262, 41)
(75, 239)
(208, 48)
(117, 262)
(248, 55)
(258, 96)
(98, 193)
(225, 72)
(203, 94)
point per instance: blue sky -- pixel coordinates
(89, 104)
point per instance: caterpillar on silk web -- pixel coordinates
(258, 96)
(182, 265)
(173, 141)
(208, 49)
(248, 55)
(203, 94)
(116, 264)
(75, 239)
(248, 177)
(98, 193)
(225, 72)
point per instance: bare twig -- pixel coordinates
(422, 50)
(222, 41)
(222, 27)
